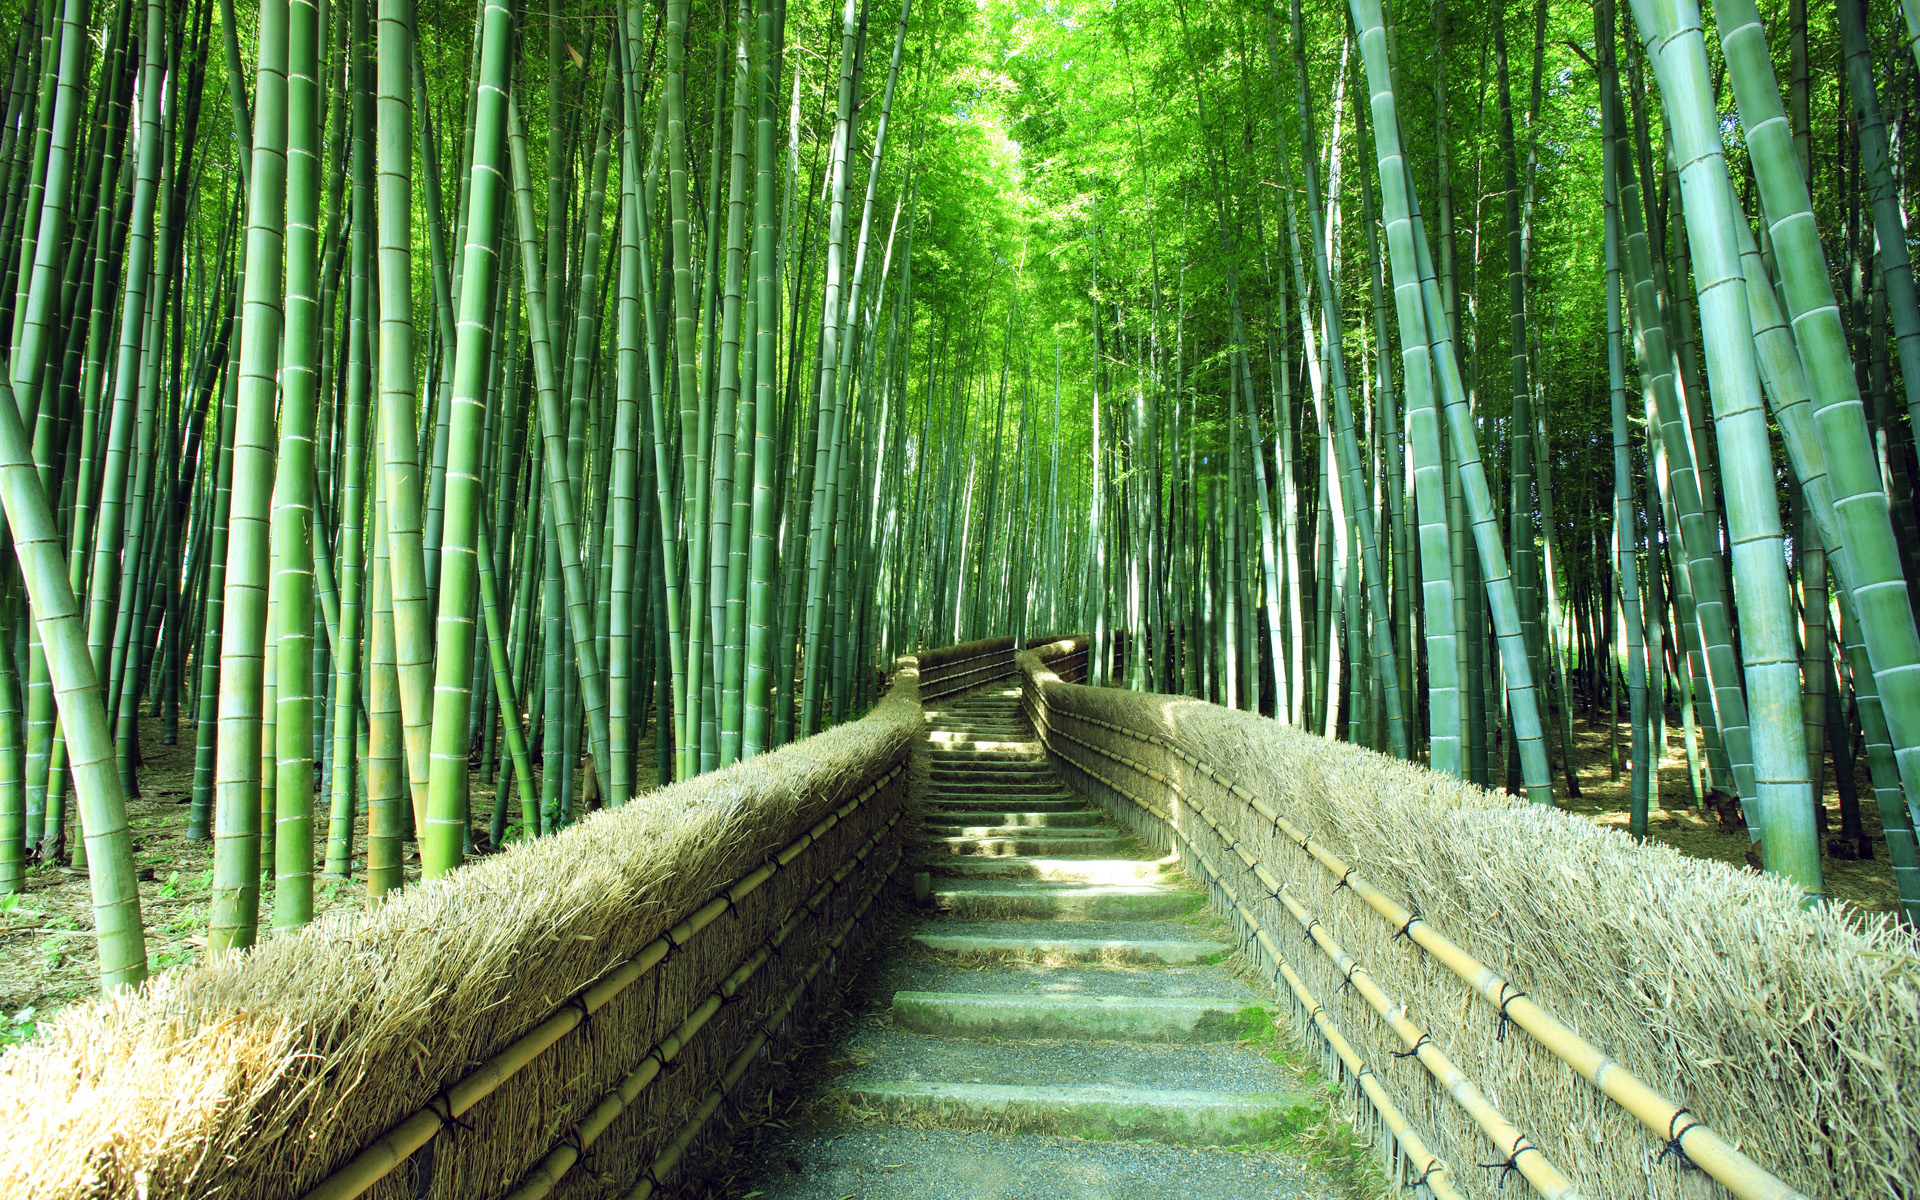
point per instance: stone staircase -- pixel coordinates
(1065, 1024)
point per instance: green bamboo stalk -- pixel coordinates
(292, 515)
(445, 830)
(560, 493)
(1412, 269)
(1626, 533)
(237, 781)
(1671, 31)
(1838, 449)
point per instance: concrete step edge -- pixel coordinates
(1177, 1117)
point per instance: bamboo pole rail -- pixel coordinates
(392, 1148)
(1433, 1171)
(546, 1174)
(1674, 1123)
(669, 1157)
(1522, 1155)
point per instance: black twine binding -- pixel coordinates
(579, 1002)
(1676, 1131)
(1425, 1039)
(442, 1106)
(1343, 879)
(1432, 1166)
(1405, 931)
(1500, 1030)
(1511, 1164)
(1351, 968)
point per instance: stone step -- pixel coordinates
(1017, 818)
(1054, 951)
(1060, 870)
(1022, 756)
(1024, 779)
(986, 900)
(1101, 833)
(1029, 776)
(1044, 845)
(940, 735)
(913, 1162)
(1098, 1112)
(951, 757)
(1179, 1020)
(949, 800)
(961, 715)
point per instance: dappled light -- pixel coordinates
(744, 599)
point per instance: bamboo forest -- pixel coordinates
(490, 484)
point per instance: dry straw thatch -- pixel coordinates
(1793, 1034)
(261, 1077)
(950, 670)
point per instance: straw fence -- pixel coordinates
(951, 670)
(565, 1018)
(1505, 990)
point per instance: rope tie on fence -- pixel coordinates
(1343, 875)
(442, 1106)
(1508, 994)
(1676, 1131)
(1511, 1164)
(579, 1000)
(1352, 966)
(1406, 930)
(1426, 1039)
(1432, 1166)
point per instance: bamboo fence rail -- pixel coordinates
(1265, 787)
(434, 1047)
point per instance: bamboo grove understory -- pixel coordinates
(566, 400)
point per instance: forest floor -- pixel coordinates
(1673, 820)
(47, 956)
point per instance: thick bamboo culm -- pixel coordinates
(1686, 971)
(463, 1020)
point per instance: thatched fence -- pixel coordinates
(1502, 989)
(564, 1018)
(951, 670)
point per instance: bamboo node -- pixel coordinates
(1351, 968)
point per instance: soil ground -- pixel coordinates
(1674, 820)
(46, 932)
(47, 956)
